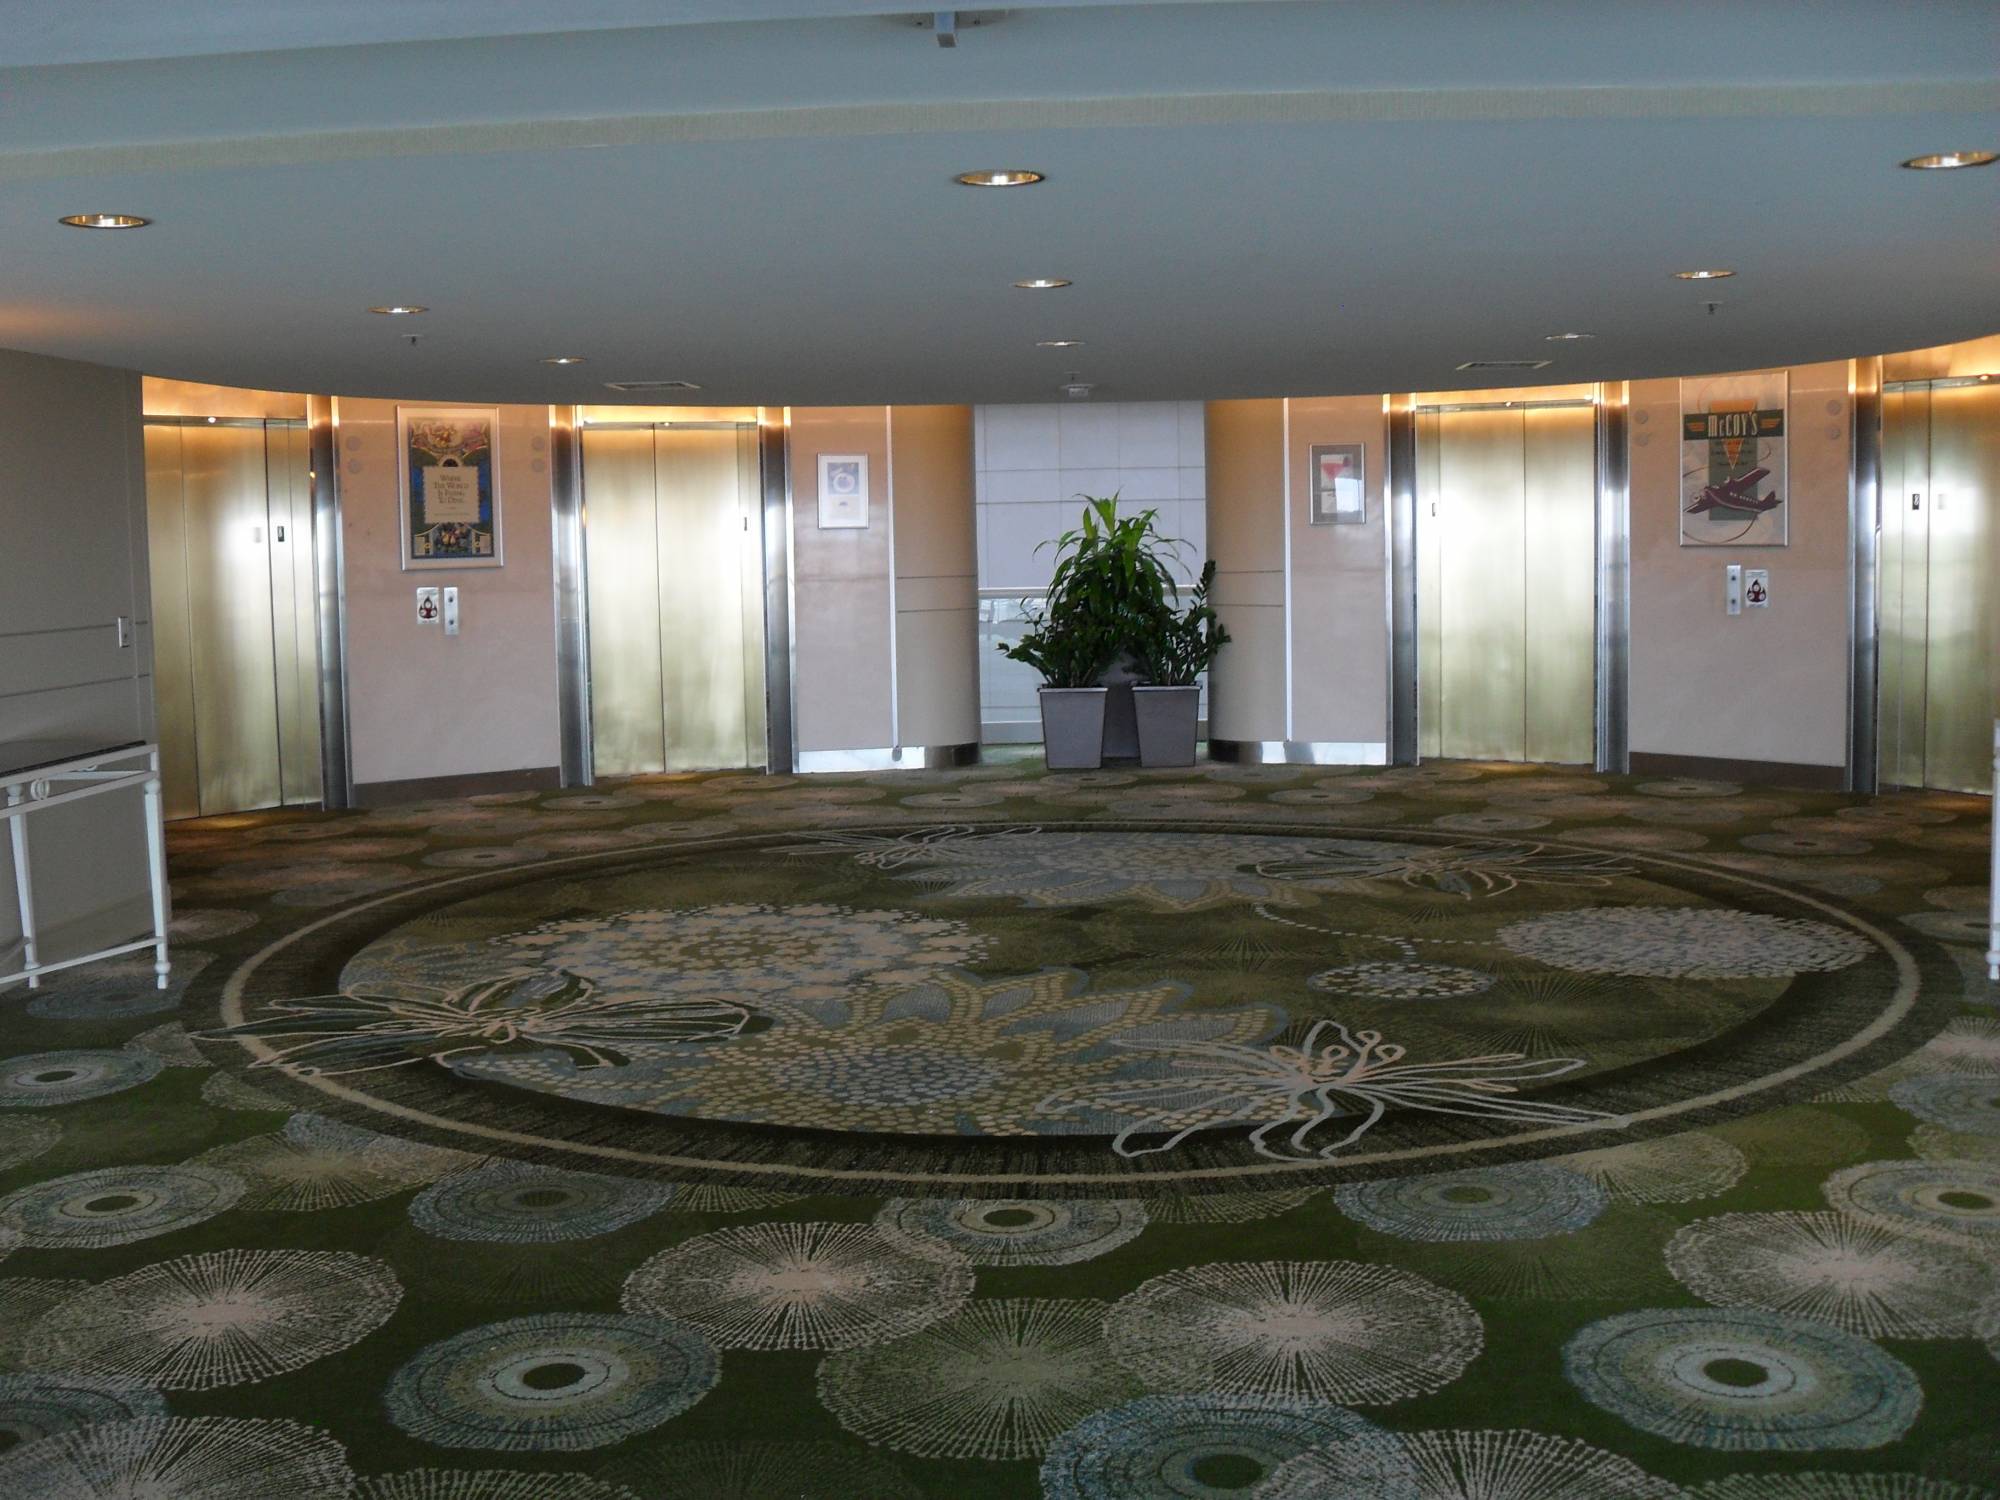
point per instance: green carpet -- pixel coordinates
(1467, 1131)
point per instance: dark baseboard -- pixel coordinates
(1760, 772)
(426, 788)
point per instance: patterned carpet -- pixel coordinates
(1459, 1133)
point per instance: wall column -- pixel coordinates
(1305, 677)
(885, 617)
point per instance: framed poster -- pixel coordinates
(1339, 485)
(450, 490)
(843, 490)
(1734, 487)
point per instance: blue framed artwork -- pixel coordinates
(843, 491)
(450, 488)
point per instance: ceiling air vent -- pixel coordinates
(1505, 364)
(633, 387)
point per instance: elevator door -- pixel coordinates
(235, 663)
(673, 544)
(1940, 483)
(1506, 576)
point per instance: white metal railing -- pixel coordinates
(1993, 879)
(38, 775)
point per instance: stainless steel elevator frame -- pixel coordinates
(774, 467)
(1614, 578)
(572, 578)
(330, 582)
(570, 559)
(1612, 628)
(1401, 541)
(1864, 555)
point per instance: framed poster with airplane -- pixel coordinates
(1735, 491)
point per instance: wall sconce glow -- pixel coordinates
(564, 359)
(104, 221)
(1000, 177)
(1058, 343)
(400, 310)
(1944, 161)
(1701, 275)
(1041, 283)
(1564, 338)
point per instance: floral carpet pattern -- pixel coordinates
(1463, 1132)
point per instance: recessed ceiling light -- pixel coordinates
(1000, 177)
(564, 359)
(104, 221)
(1041, 283)
(400, 310)
(1057, 343)
(1701, 275)
(1944, 161)
(1563, 338)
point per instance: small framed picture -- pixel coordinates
(450, 491)
(1339, 485)
(843, 490)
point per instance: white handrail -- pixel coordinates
(1993, 885)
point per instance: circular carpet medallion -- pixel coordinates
(1060, 1008)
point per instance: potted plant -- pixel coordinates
(1070, 650)
(1180, 646)
(1104, 596)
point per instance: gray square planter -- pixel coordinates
(1168, 720)
(1073, 728)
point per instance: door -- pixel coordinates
(1940, 476)
(1506, 601)
(673, 544)
(235, 661)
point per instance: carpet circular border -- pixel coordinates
(1777, 1057)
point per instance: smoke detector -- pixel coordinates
(1076, 390)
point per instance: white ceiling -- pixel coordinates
(1252, 198)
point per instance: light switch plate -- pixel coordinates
(450, 610)
(1732, 588)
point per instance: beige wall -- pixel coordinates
(840, 589)
(72, 560)
(1246, 537)
(421, 703)
(186, 398)
(937, 576)
(859, 684)
(1259, 487)
(1768, 684)
(1340, 593)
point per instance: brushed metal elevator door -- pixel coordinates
(294, 628)
(674, 550)
(1482, 585)
(1903, 574)
(1941, 481)
(1560, 466)
(1506, 520)
(173, 667)
(235, 660)
(627, 722)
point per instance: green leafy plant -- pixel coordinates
(1066, 647)
(1113, 576)
(1182, 644)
